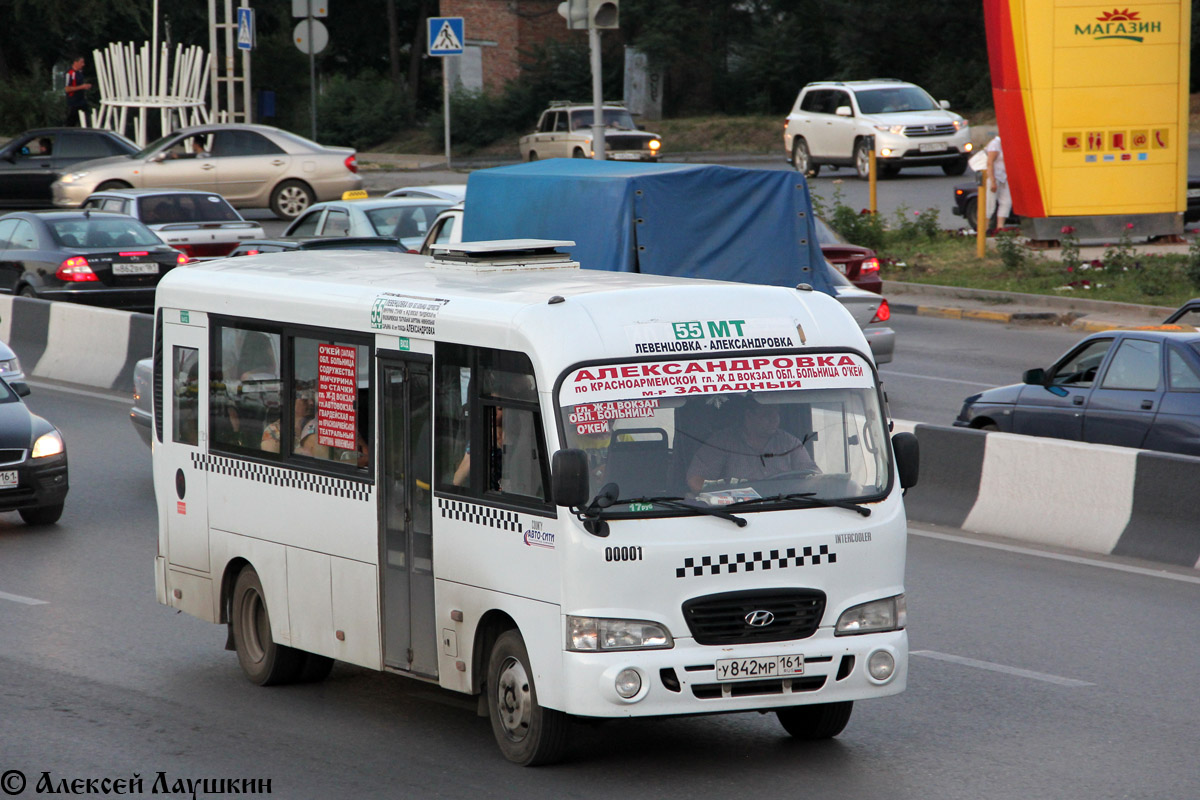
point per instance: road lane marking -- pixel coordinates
(886, 372)
(16, 598)
(123, 399)
(1070, 559)
(1002, 668)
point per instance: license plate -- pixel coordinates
(744, 669)
(8, 479)
(931, 147)
(626, 156)
(1193, 192)
(150, 268)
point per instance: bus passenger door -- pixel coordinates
(184, 408)
(406, 519)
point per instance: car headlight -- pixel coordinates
(10, 365)
(48, 444)
(959, 124)
(590, 634)
(71, 177)
(888, 614)
(655, 144)
(893, 129)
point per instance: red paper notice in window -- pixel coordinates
(336, 387)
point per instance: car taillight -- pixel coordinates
(250, 253)
(869, 265)
(883, 313)
(352, 163)
(181, 259)
(134, 253)
(75, 269)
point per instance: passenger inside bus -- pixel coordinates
(751, 449)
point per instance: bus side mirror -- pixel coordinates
(569, 478)
(908, 458)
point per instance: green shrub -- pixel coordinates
(1011, 251)
(1153, 278)
(913, 225)
(23, 106)
(363, 111)
(1191, 267)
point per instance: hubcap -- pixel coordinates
(864, 162)
(514, 701)
(800, 159)
(254, 622)
(293, 200)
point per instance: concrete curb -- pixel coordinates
(1094, 498)
(72, 343)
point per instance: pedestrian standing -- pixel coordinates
(76, 91)
(999, 198)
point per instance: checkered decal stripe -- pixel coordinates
(762, 560)
(479, 515)
(278, 476)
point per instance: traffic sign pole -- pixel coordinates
(445, 38)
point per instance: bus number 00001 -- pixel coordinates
(622, 554)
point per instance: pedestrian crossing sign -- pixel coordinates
(445, 36)
(245, 28)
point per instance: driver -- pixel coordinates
(754, 450)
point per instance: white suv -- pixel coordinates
(831, 121)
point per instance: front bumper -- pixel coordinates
(71, 195)
(682, 680)
(40, 483)
(915, 151)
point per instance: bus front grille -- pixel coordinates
(760, 615)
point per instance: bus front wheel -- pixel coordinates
(527, 733)
(264, 662)
(819, 721)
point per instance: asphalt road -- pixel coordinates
(1034, 674)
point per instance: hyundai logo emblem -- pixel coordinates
(760, 618)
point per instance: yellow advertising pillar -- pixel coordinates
(1092, 106)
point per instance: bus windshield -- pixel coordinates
(751, 433)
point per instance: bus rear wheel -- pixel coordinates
(819, 721)
(527, 733)
(263, 660)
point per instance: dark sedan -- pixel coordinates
(32, 161)
(33, 462)
(286, 243)
(83, 256)
(859, 264)
(1128, 388)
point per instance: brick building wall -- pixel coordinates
(508, 26)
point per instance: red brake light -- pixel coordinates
(75, 269)
(181, 259)
(250, 253)
(884, 313)
(134, 253)
(352, 163)
(869, 265)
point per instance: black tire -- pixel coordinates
(989, 426)
(955, 168)
(42, 515)
(821, 721)
(27, 291)
(578, 153)
(971, 212)
(290, 199)
(314, 669)
(107, 185)
(264, 662)
(862, 159)
(802, 159)
(527, 733)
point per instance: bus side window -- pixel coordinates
(185, 397)
(328, 421)
(244, 386)
(496, 388)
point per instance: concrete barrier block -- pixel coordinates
(6, 303)
(1164, 525)
(88, 346)
(1054, 492)
(951, 461)
(29, 329)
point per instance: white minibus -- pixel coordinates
(575, 493)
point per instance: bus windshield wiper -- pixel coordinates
(807, 499)
(683, 505)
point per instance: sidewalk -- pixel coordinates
(1082, 314)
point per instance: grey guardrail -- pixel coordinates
(1094, 498)
(95, 347)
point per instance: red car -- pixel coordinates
(859, 264)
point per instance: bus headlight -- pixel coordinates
(888, 614)
(591, 634)
(48, 444)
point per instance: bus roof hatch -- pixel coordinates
(503, 255)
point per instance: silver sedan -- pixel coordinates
(252, 166)
(403, 218)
